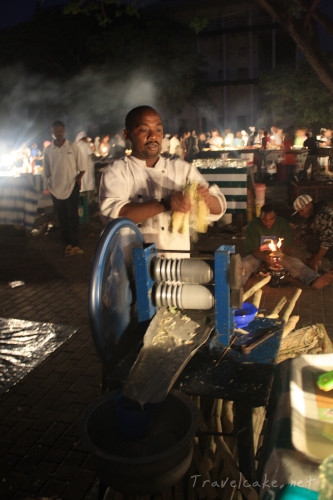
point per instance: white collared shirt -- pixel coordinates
(130, 180)
(61, 167)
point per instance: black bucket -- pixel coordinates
(148, 465)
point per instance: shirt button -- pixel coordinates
(162, 228)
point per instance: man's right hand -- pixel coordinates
(180, 202)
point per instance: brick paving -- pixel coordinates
(41, 454)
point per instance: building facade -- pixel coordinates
(239, 42)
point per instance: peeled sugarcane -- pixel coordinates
(291, 305)
(256, 287)
(290, 325)
(278, 308)
(200, 217)
(257, 298)
(230, 468)
(196, 219)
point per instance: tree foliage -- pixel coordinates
(299, 18)
(297, 98)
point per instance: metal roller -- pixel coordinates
(182, 270)
(183, 296)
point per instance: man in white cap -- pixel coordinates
(319, 219)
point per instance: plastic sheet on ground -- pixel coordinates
(25, 344)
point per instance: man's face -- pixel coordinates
(146, 136)
(58, 132)
(268, 219)
(306, 211)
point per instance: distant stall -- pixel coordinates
(232, 171)
(18, 201)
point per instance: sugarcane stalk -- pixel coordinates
(256, 287)
(275, 312)
(227, 420)
(257, 298)
(233, 473)
(230, 469)
(291, 304)
(289, 326)
(204, 464)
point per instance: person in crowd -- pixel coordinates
(252, 136)
(325, 137)
(36, 158)
(175, 147)
(311, 160)
(183, 144)
(245, 137)
(258, 137)
(147, 188)
(228, 138)
(35, 152)
(318, 229)
(88, 180)
(202, 142)
(216, 140)
(97, 143)
(165, 149)
(300, 137)
(271, 227)
(63, 170)
(238, 140)
(276, 137)
(192, 147)
(104, 147)
(265, 140)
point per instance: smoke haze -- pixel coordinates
(96, 101)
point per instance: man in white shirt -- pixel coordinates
(63, 171)
(146, 188)
(88, 180)
(174, 147)
(216, 141)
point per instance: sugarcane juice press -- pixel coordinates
(165, 331)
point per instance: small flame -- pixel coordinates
(274, 247)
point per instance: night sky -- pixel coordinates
(17, 11)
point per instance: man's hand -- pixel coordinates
(180, 202)
(264, 257)
(211, 201)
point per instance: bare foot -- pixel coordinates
(324, 280)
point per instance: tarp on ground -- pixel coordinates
(25, 344)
